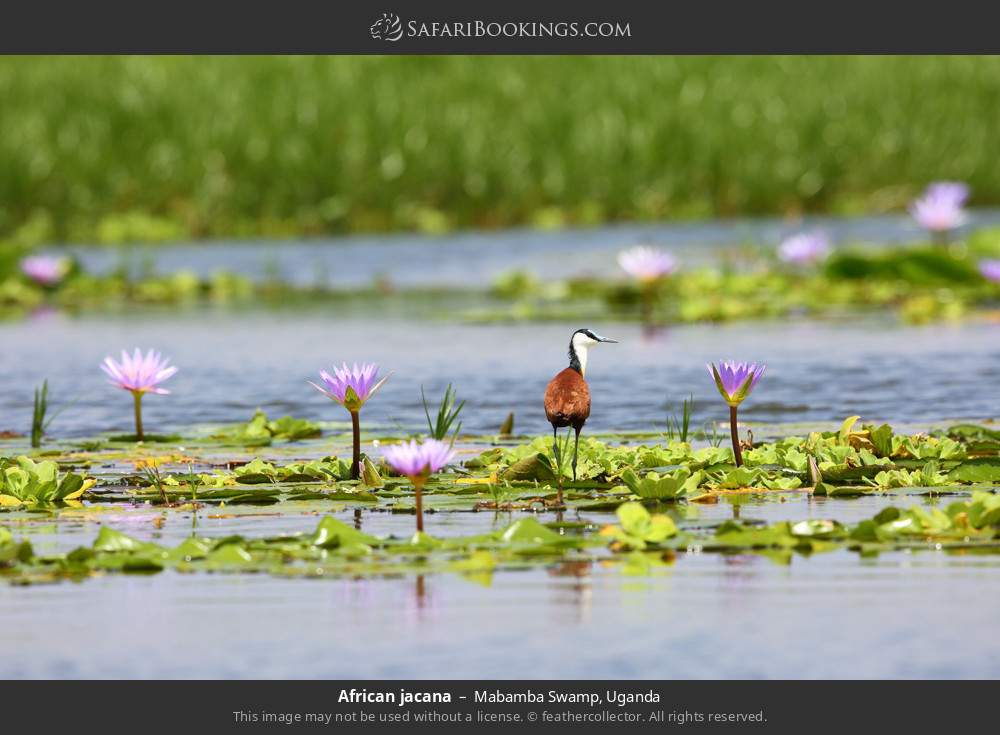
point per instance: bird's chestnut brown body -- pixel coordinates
(567, 400)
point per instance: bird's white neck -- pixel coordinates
(580, 345)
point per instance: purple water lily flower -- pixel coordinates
(418, 461)
(990, 270)
(414, 459)
(350, 387)
(735, 380)
(139, 374)
(646, 263)
(940, 209)
(45, 270)
(804, 248)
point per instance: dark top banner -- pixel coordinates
(514, 26)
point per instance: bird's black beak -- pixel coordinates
(606, 339)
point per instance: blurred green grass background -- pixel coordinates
(162, 148)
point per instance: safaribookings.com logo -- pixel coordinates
(387, 28)
(390, 28)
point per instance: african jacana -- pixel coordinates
(567, 397)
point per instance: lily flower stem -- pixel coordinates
(737, 452)
(418, 487)
(356, 463)
(648, 300)
(137, 396)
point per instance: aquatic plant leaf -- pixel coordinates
(358, 496)
(476, 562)
(293, 429)
(983, 510)
(331, 533)
(643, 564)
(108, 539)
(657, 487)
(781, 483)
(485, 459)
(976, 473)
(420, 540)
(369, 474)
(881, 439)
(189, 549)
(530, 531)
(741, 477)
(847, 426)
(795, 459)
(121, 561)
(637, 522)
(229, 555)
(841, 491)
(535, 467)
(763, 455)
(972, 431)
(709, 457)
(850, 473)
(735, 536)
(817, 528)
(71, 487)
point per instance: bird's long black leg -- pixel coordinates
(555, 446)
(576, 446)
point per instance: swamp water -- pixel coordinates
(900, 614)
(835, 614)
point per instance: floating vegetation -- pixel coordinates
(335, 549)
(802, 275)
(24, 482)
(855, 460)
(262, 431)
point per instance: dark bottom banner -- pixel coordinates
(248, 706)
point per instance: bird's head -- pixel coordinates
(581, 341)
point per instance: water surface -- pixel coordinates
(232, 362)
(924, 614)
(477, 258)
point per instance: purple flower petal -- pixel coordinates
(45, 270)
(804, 248)
(361, 379)
(736, 379)
(941, 207)
(139, 373)
(414, 460)
(990, 270)
(647, 264)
